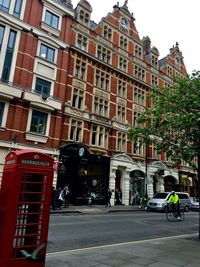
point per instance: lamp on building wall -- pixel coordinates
(161, 172)
(14, 143)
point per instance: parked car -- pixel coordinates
(194, 203)
(159, 201)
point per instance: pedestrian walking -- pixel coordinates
(60, 198)
(108, 198)
(118, 196)
(66, 196)
(92, 197)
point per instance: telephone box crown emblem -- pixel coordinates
(36, 156)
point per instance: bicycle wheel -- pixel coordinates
(170, 216)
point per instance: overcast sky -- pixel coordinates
(164, 21)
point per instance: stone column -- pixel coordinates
(150, 186)
(112, 186)
(126, 188)
(161, 187)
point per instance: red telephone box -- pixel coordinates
(25, 199)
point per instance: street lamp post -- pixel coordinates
(145, 178)
(198, 174)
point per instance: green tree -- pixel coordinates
(172, 122)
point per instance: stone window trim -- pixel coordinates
(80, 69)
(100, 106)
(138, 149)
(34, 136)
(140, 73)
(5, 106)
(123, 43)
(123, 64)
(138, 51)
(139, 96)
(77, 98)
(102, 79)
(121, 113)
(35, 77)
(47, 52)
(57, 13)
(121, 142)
(84, 17)
(107, 32)
(82, 42)
(154, 61)
(76, 130)
(154, 80)
(103, 54)
(122, 88)
(99, 136)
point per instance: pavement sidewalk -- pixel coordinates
(96, 209)
(178, 251)
(175, 251)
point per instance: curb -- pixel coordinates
(95, 211)
(127, 210)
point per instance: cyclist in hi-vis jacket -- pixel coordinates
(175, 203)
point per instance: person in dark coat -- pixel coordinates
(108, 198)
(54, 198)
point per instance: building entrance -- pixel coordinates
(136, 187)
(118, 190)
(170, 184)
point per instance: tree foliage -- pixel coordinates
(172, 122)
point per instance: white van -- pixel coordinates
(159, 201)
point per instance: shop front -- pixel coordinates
(188, 183)
(85, 173)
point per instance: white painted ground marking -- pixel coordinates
(119, 244)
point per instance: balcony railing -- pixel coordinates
(12, 90)
(43, 96)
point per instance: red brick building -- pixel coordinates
(71, 88)
(34, 54)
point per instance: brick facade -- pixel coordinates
(98, 76)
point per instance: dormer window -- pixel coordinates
(84, 17)
(138, 51)
(154, 61)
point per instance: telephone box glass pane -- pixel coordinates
(29, 213)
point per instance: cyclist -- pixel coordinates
(175, 204)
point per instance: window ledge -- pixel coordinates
(50, 29)
(97, 149)
(36, 137)
(36, 100)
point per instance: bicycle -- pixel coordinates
(172, 215)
